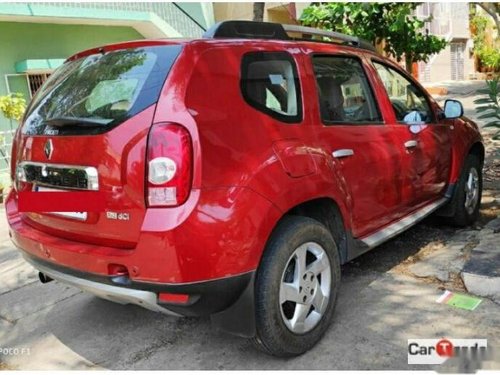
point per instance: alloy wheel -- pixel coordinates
(305, 288)
(471, 191)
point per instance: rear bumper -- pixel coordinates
(117, 294)
(205, 298)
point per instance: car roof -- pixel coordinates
(256, 34)
(314, 46)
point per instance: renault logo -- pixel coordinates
(48, 148)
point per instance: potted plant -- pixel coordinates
(12, 106)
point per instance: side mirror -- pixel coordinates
(453, 109)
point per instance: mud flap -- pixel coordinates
(448, 210)
(239, 318)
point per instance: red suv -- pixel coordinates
(235, 173)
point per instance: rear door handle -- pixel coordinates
(342, 153)
(411, 144)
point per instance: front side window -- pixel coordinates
(408, 101)
(269, 83)
(344, 92)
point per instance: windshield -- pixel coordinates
(95, 93)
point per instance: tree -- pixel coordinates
(486, 50)
(392, 25)
(493, 9)
(258, 11)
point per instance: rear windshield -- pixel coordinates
(96, 93)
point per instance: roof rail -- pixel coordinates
(276, 31)
(342, 38)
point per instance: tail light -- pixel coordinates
(169, 165)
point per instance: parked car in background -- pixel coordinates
(238, 172)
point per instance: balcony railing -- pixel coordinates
(5, 147)
(169, 12)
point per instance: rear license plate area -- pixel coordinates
(72, 215)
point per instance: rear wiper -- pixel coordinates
(77, 121)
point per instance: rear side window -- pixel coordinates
(270, 84)
(345, 96)
(95, 93)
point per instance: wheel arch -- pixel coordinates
(477, 149)
(323, 209)
(327, 212)
(464, 145)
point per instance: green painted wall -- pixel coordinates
(21, 41)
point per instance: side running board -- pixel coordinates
(401, 225)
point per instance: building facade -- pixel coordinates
(451, 22)
(285, 13)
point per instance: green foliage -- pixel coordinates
(394, 23)
(479, 24)
(358, 19)
(490, 57)
(13, 106)
(488, 54)
(489, 105)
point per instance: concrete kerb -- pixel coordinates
(481, 272)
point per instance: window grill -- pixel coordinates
(36, 81)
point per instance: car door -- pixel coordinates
(427, 139)
(364, 148)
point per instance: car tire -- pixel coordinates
(300, 263)
(467, 196)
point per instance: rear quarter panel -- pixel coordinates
(244, 147)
